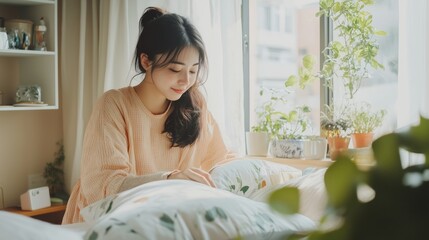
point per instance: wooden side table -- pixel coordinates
(53, 214)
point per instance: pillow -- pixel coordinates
(311, 186)
(246, 176)
(15, 226)
(180, 209)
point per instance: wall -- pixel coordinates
(27, 142)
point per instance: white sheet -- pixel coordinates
(19, 227)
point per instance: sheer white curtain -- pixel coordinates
(97, 46)
(92, 61)
(413, 90)
(413, 73)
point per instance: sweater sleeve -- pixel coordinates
(217, 151)
(106, 163)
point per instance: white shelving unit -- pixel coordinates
(30, 67)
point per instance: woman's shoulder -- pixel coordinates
(116, 95)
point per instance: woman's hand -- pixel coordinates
(193, 174)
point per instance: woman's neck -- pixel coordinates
(155, 102)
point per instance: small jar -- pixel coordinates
(4, 42)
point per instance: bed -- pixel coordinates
(179, 209)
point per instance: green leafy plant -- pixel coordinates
(364, 120)
(54, 174)
(286, 124)
(334, 122)
(386, 201)
(349, 58)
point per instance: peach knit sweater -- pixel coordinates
(124, 139)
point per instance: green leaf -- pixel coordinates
(93, 236)
(380, 33)
(215, 212)
(291, 81)
(386, 153)
(244, 189)
(368, 2)
(306, 109)
(293, 115)
(308, 61)
(340, 180)
(285, 200)
(417, 138)
(109, 207)
(167, 222)
(220, 212)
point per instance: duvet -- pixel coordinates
(179, 209)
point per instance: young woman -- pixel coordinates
(159, 129)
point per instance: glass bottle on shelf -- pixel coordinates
(40, 30)
(4, 41)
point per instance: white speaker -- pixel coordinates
(35, 198)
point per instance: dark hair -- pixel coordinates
(168, 34)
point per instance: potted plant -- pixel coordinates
(54, 175)
(364, 203)
(286, 128)
(348, 59)
(336, 129)
(364, 121)
(257, 142)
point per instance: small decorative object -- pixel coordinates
(4, 41)
(20, 33)
(29, 94)
(39, 32)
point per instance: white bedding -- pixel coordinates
(178, 209)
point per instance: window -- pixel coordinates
(275, 54)
(281, 33)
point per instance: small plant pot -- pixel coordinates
(314, 148)
(337, 146)
(362, 140)
(257, 143)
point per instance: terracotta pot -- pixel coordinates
(337, 145)
(361, 140)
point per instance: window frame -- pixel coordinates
(326, 35)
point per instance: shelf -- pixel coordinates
(53, 214)
(20, 67)
(27, 2)
(24, 53)
(12, 108)
(42, 211)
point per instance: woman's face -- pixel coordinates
(178, 76)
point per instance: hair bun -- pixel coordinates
(150, 14)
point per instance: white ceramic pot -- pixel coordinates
(314, 148)
(257, 143)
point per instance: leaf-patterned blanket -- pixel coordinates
(180, 209)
